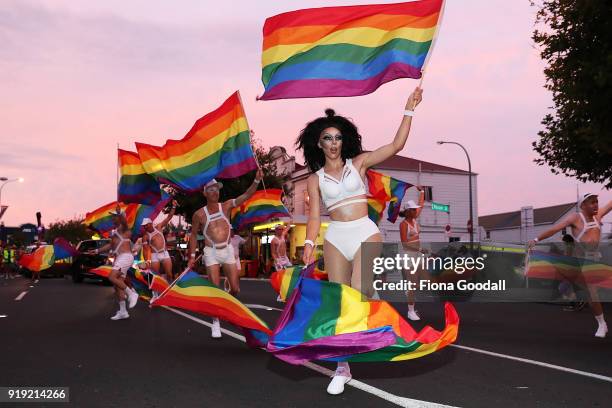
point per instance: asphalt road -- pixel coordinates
(59, 334)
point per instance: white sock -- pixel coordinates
(122, 308)
(600, 319)
(216, 320)
(344, 365)
(411, 308)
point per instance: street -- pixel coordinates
(57, 333)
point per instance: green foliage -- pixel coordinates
(71, 230)
(576, 44)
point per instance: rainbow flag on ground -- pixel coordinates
(346, 51)
(330, 321)
(383, 187)
(218, 145)
(157, 283)
(544, 265)
(263, 205)
(135, 185)
(284, 281)
(192, 292)
(42, 258)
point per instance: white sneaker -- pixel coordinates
(216, 329)
(412, 315)
(132, 297)
(336, 386)
(120, 315)
(602, 331)
(279, 298)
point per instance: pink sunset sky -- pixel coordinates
(78, 77)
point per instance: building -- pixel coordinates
(444, 185)
(523, 225)
(24, 234)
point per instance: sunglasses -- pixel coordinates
(330, 138)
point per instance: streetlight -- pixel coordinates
(471, 220)
(5, 181)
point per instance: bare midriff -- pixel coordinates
(350, 212)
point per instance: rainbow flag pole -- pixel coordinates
(179, 277)
(433, 44)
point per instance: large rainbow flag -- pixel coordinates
(263, 205)
(284, 281)
(135, 185)
(383, 187)
(545, 265)
(42, 258)
(376, 207)
(346, 51)
(218, 145)
(63, 249)
(192, 292)
(329, 321)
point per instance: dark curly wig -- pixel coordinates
(309, 138)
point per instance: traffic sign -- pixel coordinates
(440, 207)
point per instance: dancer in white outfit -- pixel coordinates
(155, 241)
(332, 150)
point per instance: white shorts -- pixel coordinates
(282, 262)
(123, 262)
(347, 236)
(219, 256)
(159, 256)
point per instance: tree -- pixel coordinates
(188, 203)
(576, 44)
(71, 230)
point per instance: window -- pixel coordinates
(488, 234)
(453, 239)
(428, 193)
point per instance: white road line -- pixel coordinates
(395, 399)
(255, 306)
(535, 362)
(21, 295)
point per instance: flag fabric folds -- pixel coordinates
(42, 258)
(383, 188)
(261, 206)
(545, 265)
(135, 185)
(218, 145)
(346, 51)
(284, 281)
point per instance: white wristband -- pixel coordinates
(192, 256)
(408, 113)
(309, 242)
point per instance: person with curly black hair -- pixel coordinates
(332, 150)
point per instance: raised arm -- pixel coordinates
(238, 201)
(381, 154)
(314, 219)
(421, 201)
(166, 220)
(569, 220)
(604, 210)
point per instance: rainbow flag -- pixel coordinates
(218, 145)
(62, 249)
(135, 185)
(386, 187)
(103, 271)
(376, 206)
(100, 219)
(192, 292)
(140, 283)
(346, 51)
(284, 281)
(263, 205)
(329, 321)
(544, 265)
(157, 283)
(39, 260)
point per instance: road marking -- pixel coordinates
(2, 316)
(254, 306)
(395, 399)
(21, 295)
(535, 362)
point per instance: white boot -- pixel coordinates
(412, 313)
(216, 329)
(341, 377)
(602, 328)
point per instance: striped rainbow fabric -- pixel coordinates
(330, 321)
(192, 292)
(376, 207)
(140, 283)
(135, 185)
(102, 271)
(544, 265)
(42, 258)
(387, 188)
(345, 51)
(218, 145)
(62, 249)
(261, 206)
(284, 281)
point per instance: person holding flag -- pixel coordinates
(155, 241)
(278, 247)
(121, 247)
(334, 154)
(213, 221)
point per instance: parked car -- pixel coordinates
(83, 263)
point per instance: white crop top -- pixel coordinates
(333, 191)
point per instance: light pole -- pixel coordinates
(471, 220)
(5, 181)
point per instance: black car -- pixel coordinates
(83, 263)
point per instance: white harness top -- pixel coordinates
(334, 191)
(219, 215)
(121, 241)
(150, 235)
(586, 226)
(412, 231)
